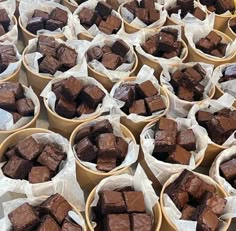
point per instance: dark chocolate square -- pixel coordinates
(25, 107)
(134, 202)
(106, 144)
(111, 61)
(165, 42)
(59, 15)
(120, 48)
(39, 174)
(187, 139)
(179, 156)
(87, 17)
(66, 108)
(53, 25)
(47, 45)
(114, 22)
(165, 141)
(49, 65)
(138, 107)
(100, 127)
(228, 169)
(72, 88)
(155, 104)
(147, 89)
(142, 14)
(141, 221)
(7, 101)
(82, 133)
(199, 13)
(105, 27)
(104, 9)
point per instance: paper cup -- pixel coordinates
(229, 31)
(13, 77)
(31, 124)
(88, 178)
(104, 80)
(156, 213)
(70, 5)
(194, 55)
(27, 35)
(85, 36)
(167, 225)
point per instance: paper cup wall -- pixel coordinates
(70, 5)
(31, 124)
(195, 55)
(167, 225)
(88, 178)
(13, 77)
(156, 212)
(228, 30)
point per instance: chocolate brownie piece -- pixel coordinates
(106, 144)
(111, 61)
(200, 70)
(185, 94)
(187, 139)
(165, 42)
(7, 101)
(39, 174)
(205, 45)
(42, 14)
(4, 19)
(154, 104)
(117, 222)
(53, 25)
(51, 157)
(179, 156)
(134, 202)
(147, 89)
(84, 108)
(203, 117)
(224, 5)
(140, 221)
(10, 152)
(120, 48)
(198, 91)
(29, 149)
(105, 27)
(125, 94)
(165, 141)
(87, 16)
(100, 127)
(48, 224)
(69, 225)
(49, 65)
(72, 88)
(17, 168)
(142, 14)
(154, 15)
(57, 89)
(167, 124)
(85, 150)
(149, 4)
(59, 15)
(114, 22)
(82, 133)
(57, 206)
(173, 9)
(214, 38)
(106, 164)
(66, 108)
(104, 9)
(138, 107)
(122, 148)
(25, 107)
(175, 79)
(199, 13)
(150, 46)
(47, 45)
(228, 169)
(131, 6)
(169, 55)
(23, 218)
(35, 24)
(187, 212)
(106, 49)
(216, 53)
(190, 78)
(186, 6)
(111, 202)
(95, 53)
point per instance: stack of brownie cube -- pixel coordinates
(51, 215)
(144, 10)
(232, 24)
(141, 99)
(219, 6)
(32, 161)
(56, 57)
(122, 210)
(40, 20)
(7, 56)
(212, 45)
(172, 146)
(228, 170)
(219, 125)
(197, 200)
(4, 22)
(186, 83)
(111, 57)
(102, 17)
(229, 73)
(13, 100)
(186, 6)
(97, 144)
(165, 44)
(74, 98)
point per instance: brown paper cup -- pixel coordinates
(194, 55)
(229, 31)
(104, 80)
(167, 225)
(31, 124)
(156, 184)
(71, 6)
(27, 35)
(13, 77)
(88, 178)
(156, 212)
(85, 36)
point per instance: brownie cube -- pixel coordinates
(187, 140)
(165, 141)
(48, 224)
(169, 55)
(140, 221)
(47, 45)
(93, 96)
(142, 14)
(105, 27)
(106, 49)
(85, 150)
(17, 168)
(205, 45)
(87, 17)
(173, 9)
(53, 25)
(185, 94)
(100, 127)
(149, 4)
(66, 108)
(57, 206)
(95, 53)
(29, 149)
(155, 104)
(176, 79)
(165, 42)
(224, 5)
(199, 13)
(214, 38)
(120, 48)
(228, 169)
(42, 14)
(35, 24)
(200, 70)
(150, 46)
(111, 202)
(83, 108)
(106, 164)
(203, 117)
(59, 15)
(138, 107)
(10, 152)
(111, 61)
(4, 19)
(103, 9)
(39, 174)
(49, 65)
(187, 212)
(131, 6)
(134, 202)
(122, 148)
(154, 15)
(51, 157)
(147, 89)
(179, 156)
(23, 218)
(115, 23)
(106, 144)
(72, 88)
(69, 225)
(125, 94)
(118, 222)
(7, 101)
(167, 124)
(82, 133)
(25, 107)
(190, 78)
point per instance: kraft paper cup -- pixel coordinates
(156, 213)
(229, 31)
(31, 124)
(27, 35)
(194, 54)
(104, 80)
(14, 77)
(151, 176)
(167, 225)
(70, 5)
(88, 178)
(85, 36)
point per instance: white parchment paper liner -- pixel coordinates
(32, 56)
(228, 86)
(27, 7)
(174, 214)
(134, 21)
(93, 30)
(12, 67)
(196, 32)
(163, 170)
(139, 182)
(146, 34)
(178, 107)
(12, 34)
(214, 172)
(124, 69)
(9, 206)
(146, 73)
(133, 148)
(211, 105)
(64, 182)
(6, 118)
(190, 18)
(105, 106)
